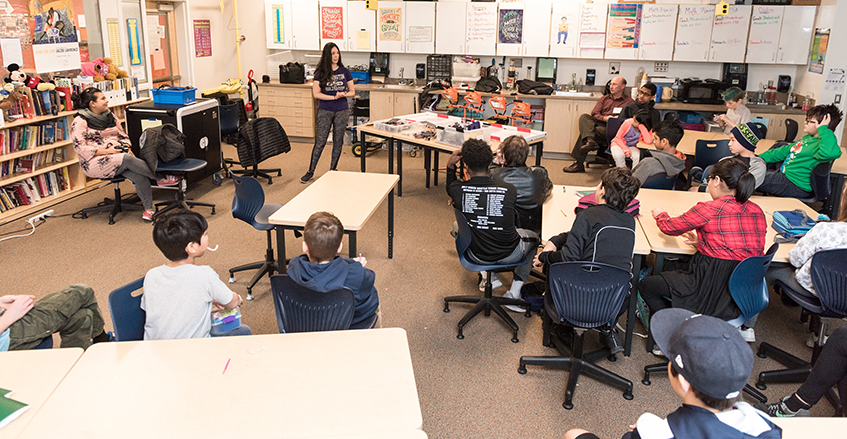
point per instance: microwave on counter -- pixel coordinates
(709, 91)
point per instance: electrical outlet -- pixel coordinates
(40, 216)
(614, 68)
(837, 99)
(661, 66)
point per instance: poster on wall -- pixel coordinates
(134, 44)
(114, 38)
(389, 24)
(332, 23)
(56, 57)
(624, 25)
(816, 61)
(38, 22)
(202, 38)
(277, 14)
(510, 25)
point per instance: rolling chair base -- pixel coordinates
(269, 266)
(488, 303)
(265, 173)
(114, 206)
(663, 368)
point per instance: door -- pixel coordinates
(162, 48)
(333, 14)
(481, 32)
(450, 28)
(510, 28)
(693, 32)
(564, 30)
(763, 42)
(361, 28)
(420, 27)
(382, 105)
(536, 29)
(305, 25)
(729, 35)
(796, 36)
(278, 24)
(656, 41)
(405, 103)
(390, 26)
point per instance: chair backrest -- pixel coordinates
(586, 294)
(747, 285)
(127, 316)
(791, 128)
(709, 152)
(762, 128)
(612, 127)
(660, 181)
(229, 119)
(260, 139)
(299, 309)
(463, 243)
(829, 276)
(671, 116)
(820, 181)
(248, 200)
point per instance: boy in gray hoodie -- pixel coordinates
(665, 159)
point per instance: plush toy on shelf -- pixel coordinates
(17, 77)
(102, 69)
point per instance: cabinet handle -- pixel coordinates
(780, 56)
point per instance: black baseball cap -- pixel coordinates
(709, 352)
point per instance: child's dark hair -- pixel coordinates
(323, 233)
(650, 86)
(817, 113)
(476, 155)
(175, 231)
(621, 187)
(736, 175)
(669, 130)
(82, 100)
(714, 403)
(644, 118)
(515, 150)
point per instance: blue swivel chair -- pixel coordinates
(116, 205)
(709, 152)
(762, 128)
(127, 316)
(660, 181)
(299, 309)
(249, 206)
(581, 295)
(487, 302)
(179, 168)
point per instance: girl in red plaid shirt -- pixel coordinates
(728, 229)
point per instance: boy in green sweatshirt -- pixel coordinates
(819, 145)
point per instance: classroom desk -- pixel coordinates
(351, 196)
(304, 385)
(818, 428)
(557, 216)
(33, 376)
(688, 144)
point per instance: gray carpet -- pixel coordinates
(467, 388)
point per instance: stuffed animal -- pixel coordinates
(18, 77)
(97, 68)
(114, 71)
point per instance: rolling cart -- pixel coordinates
(361, 113)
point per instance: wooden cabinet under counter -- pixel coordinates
(292, 105)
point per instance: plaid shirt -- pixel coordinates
(726, 229)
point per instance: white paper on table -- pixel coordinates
(12, 52)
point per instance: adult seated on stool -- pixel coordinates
(103, 148)
(592, 127)
(489, 207)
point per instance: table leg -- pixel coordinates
(282, 263)
(400, 168)
(427, 163)
(391, 224)
(363, 148)
(660, 261)
(539, 149)
(351, 242)
(633, 298)
(390, 155)
(435, 159)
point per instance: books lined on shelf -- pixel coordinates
(117, 91)
(33, 189)
(31, 136)
(33, 103)
(30, 163)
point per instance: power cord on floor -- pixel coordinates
(31, 223)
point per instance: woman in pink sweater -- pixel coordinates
(633, 130)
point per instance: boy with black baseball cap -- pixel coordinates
(710, 364)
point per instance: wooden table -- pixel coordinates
(818, 428)
(351, 196)
(558, 216)
(33, 376)
(304, 385)
(688, 144)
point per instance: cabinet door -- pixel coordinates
(390, 26)
(536, 29)
(333, 20)
(764, 34)
(693, 32)
(796, 35)
(450, 28)
(405, 103)
(278, 24)
(658, 23)
(481, 32)
(510, 28)
(557, 124)
(564, 30)
(305, 25)
(382, 105)
(361, 28)
(729, 35)
(420, 27)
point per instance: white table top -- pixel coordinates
(320, 384)
(678, 202)
(688, 144)
(818, 428)
(351, 196)
(33, 376)
(558, 215)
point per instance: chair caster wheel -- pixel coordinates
(567, 405)
(217, 179)
(646, 382)
(627, 395)
(213, 211)
(279, 173)
(761, 355)
(270, 181)
(249, 296)
(528, 313)
(231, 279)
(515, 340)
(522, 370)
(761, 386)
(446, 307)
(460, 337)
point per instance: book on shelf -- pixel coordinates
(10, 409)
(24, 166)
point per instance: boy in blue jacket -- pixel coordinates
(321, 269)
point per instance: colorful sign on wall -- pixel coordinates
(202, 38)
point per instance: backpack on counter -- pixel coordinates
(488, 84)
(292, 73)
(528, 87)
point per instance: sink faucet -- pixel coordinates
(401, 72)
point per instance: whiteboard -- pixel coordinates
(656, 39)
(564, 46)
(729, 34)
(592, 30)
(693, 32)
(623, 26)
(763, 42)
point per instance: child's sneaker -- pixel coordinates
(612, 341)
(747, 334)
(147, 215)
(169, 180)
(780, 410)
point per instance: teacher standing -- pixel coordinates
(332, 85)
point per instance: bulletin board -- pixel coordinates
(36, 22)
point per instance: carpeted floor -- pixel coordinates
(467, 388)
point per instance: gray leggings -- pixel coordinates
(337, 120)
(137, 171)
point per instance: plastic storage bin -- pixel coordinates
(449, 136)
(226, 320)
(361, 77)
(400, 125)
(174, 96)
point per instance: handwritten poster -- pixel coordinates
(332, 23)
(592, 26)
(482, 23)
(818, 57)
(511, 26)
(202, 38)
(389, 24)
(624, 25)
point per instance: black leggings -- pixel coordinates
(830, 369)
(655, 292)
(337, 120)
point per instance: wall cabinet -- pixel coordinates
(512, 46)
(450, 21)
(656, 20)
(420, 27)
(333, 19)
(536, 29)
(693, 33)
(387, 104)
(729, 35)
(360, 21)
(305, 25)
(481, 29)
(765, 26)
(390, 26)
(293, 106)
(796, 36)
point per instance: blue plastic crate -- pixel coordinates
(361, 77)
(174, 96)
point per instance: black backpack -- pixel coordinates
(525, 86)
(488, 84)
(292, 73)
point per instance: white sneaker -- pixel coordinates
(511, 294)
(515, 308)
(748, 335)
(495, 283)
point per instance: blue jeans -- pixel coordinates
(563, 34)
(241, 330)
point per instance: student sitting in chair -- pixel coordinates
(625, 143)
(531, 182)
(321, 269)
(742, 143)
(710, 364)
(179, 295)
(819, 145)
(665, 159)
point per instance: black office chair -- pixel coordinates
(582, 295)
(791, 128)
(821, 187)
(259, 140)
(762, 128)
(660, 181)
(127, 316)
(229, 125)
(671, 116)
(487, 302)
(299, 309)
(116, 205)
(709, 152)
(180, 168)
(829, 277)
(612, 126)
(249, 206)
